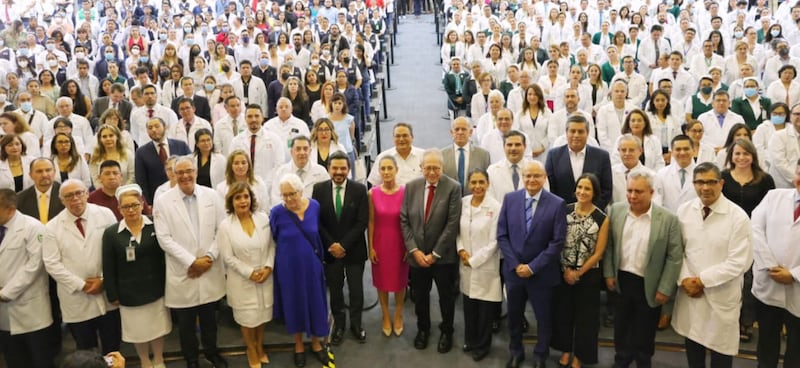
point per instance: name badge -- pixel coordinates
(130, 254)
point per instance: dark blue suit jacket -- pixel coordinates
(539, 248)
(562, 181)
(149, 170)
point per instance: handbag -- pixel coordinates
(305, 235)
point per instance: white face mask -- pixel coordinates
(135, 51)
(52, 62)
(3, 98)
(80, 55)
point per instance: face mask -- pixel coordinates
(187, 30)
(783, 51)
(285, 75)
(26, 106)
(52, 62)
(164, 73)
(224, 29)
(135, 51)
(346, 60)
(189, 42)
(204, 30)
(245, 39)
(209, 87)
(750, 92)
(143, 59)
(314, 62)
(777, 119)
(162, 37)
(226, 68)
(706, 90)
(22, 64)
(110, 56)
(3, 97)
(51, 46)
(80, 55)
(775, 33)
(264, 62)
(23, 52)
(326, 53)
(738, 34)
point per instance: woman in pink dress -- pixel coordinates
(387, 251)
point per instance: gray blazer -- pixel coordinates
(438, 234)
(664, 250)
(478, 159)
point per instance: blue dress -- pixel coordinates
(300, 298)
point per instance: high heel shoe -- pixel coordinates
(387, 329)
(265, 359)
(398, 330)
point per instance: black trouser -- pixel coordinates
(422, 279)
(748, 311)
(696, 356)
(107, 326)
(575, 311)
(54, 331)
(335, 274)
(478, 318)
(187, 327)
(32, 349)
(770, 320)
(635, 322)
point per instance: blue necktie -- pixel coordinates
(529, 213)
(721, 120)
(515, 176)
(461, 163)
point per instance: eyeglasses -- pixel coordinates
(73, 195)
(184, 172)
(289, 195)
(701, 183)
(432, 168)
(62, 142)
(324, 130)
(129, 207)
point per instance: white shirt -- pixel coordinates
(287, 129)
(270, 152)
(635, 240)
(576, 160)
(501, 176)
(407, 168)
(139, 118)
(313, 173)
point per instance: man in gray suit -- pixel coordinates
(642, 262)
(461, 157)
(429, 218)
(114, 100)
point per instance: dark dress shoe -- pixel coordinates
(338, 336)
(515, 362)
(421, 341)
(300, 359)
(322, 356)
(467, 348)
(359, 334)
(524, 324)
(445, 343)
(217, 361)
(479, 354)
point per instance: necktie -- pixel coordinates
(674, 75)
(44, 208)
(515, 176)
(253, 149)
(683, 177)
(529, 213)
(190, 201)
(188, 125)
(600, 24)
(162, 153)
(235, 127)
(721, 120)
(658, 52)
(301, 173)
(2, 234)
(338, 202)
(706, 212)
(461, 163)
(115, 106)
(149, 113)
(429, 202)
(797, 211)
(458, 83)
(80, 226)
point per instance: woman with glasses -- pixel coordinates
(239, 169)
(14, 164)
(324, 141)
(68, 162)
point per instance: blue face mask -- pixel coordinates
(22, 52)
(264, 62)
(777, 119)
(750, 92)
(26, 106)
(143, 59)
(109, 57)
(189, 42)
(775, 33)
(209, 87)
(162, 37)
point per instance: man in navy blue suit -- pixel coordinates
(530, 233)
(566, 163)
(150, 158)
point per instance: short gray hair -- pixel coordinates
(187, 158)
(293, 180)
(628, 137)
(435, 152)
(642, 173)
(64, 99)
(69, 182)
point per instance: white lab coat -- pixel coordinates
(775, 237)
(670, 181)
(653, 158)
(81, 128)
(22, 277)
(718, 251)
(500, 174)
(71, 258)
(715, 135)
(7, 177)
(477, 235)
(217, 169)
(183, 246)
(314, 173)
(260, 189)
(242, 258)
(620, 183)
(256, 92)
(270, 152)
(609, 125)
(538, 133)
(178, 131)
(783, 153)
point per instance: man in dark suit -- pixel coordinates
(116, 99)
(344, 214)
(151, 157)
(429, 218)
(461, 157)
(29, 201)
(455, 83)
(530, 233)
(202, 108)
(642, 266)
(568, 162)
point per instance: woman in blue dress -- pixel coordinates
(300, 298)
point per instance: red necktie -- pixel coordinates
(149, 113)
(706, 212)
(162, 153)
(253, 149)
(429, 202)
(797, 211)
(80, 227)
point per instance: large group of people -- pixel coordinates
(159, 157)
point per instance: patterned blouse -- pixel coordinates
(581, 239)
